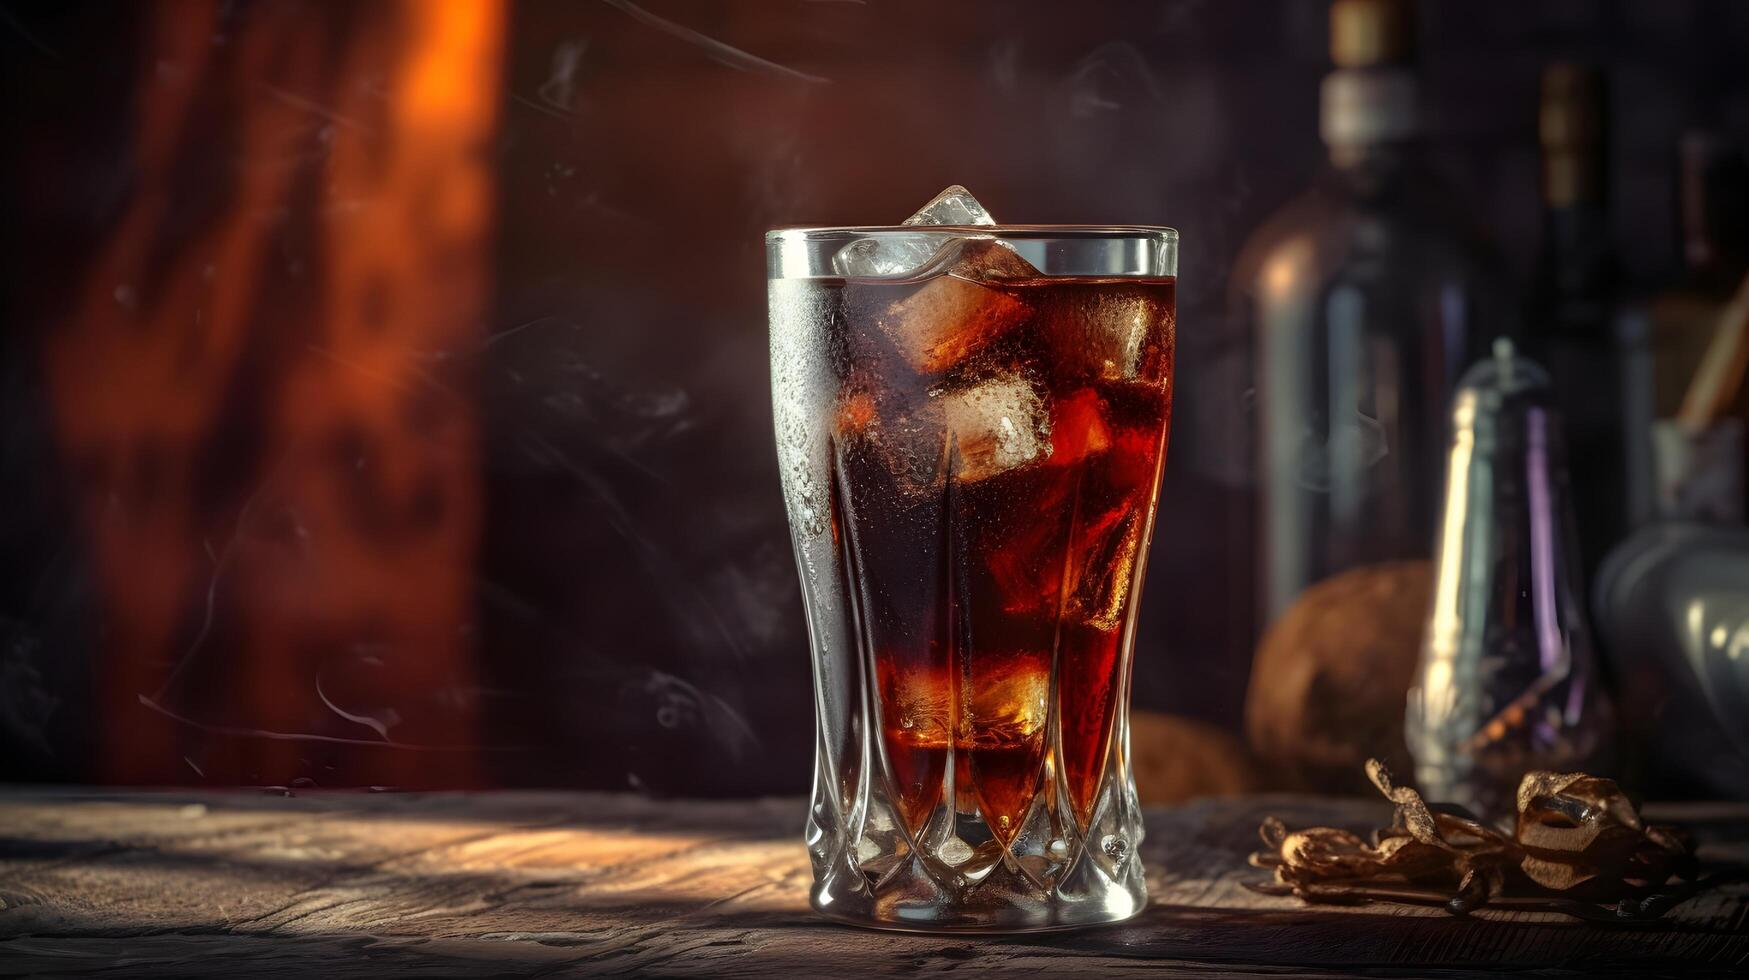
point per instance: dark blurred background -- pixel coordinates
(385, 390)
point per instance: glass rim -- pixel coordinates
(1020, 232)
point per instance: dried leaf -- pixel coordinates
(1556, 875)
(1325, 852)
(1481, 884)
(1468, 832)
(1412, 811)
(1329, 854)
(1578, 840)
(1273, 832)
(1596, 791)
(1579, 829)
(1440, 829)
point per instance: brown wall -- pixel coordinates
(608, 598)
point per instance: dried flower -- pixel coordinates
(1578, 847)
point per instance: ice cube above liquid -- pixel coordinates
(889, 257)
(894, 256)
(953, 206)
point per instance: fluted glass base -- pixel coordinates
(955, 874)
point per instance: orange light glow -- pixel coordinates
(296, 335)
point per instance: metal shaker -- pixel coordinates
(1507, 680)
(1672, 605)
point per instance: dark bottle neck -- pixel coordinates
(1576, 272)
(1576, 237)
(1576, 260)
(1574, 282)
(1713, 208)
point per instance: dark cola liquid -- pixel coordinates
(996, 450)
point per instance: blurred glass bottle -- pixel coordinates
(1508, 681)
(1365, 296)
(1573, 324)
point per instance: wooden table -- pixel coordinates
(355, 884)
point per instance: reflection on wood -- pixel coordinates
(277, 464)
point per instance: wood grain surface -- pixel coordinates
(437, 885)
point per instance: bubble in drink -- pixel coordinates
(904, 432)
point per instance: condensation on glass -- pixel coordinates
(971, 423)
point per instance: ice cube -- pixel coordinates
(954, 206)
(1108, 333)
(1102, 566)
(994, 426)
(986, 260)
(1003, 700)
(950, 317)
(1079, 428)
(1025, 562)
(896, 256)
(1009, 700)
(888, 257)
(917, 702)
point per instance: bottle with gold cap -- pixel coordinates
(1573, 324)
(1362, 299)
(1576, 270)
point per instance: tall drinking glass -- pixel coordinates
(971, 422)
